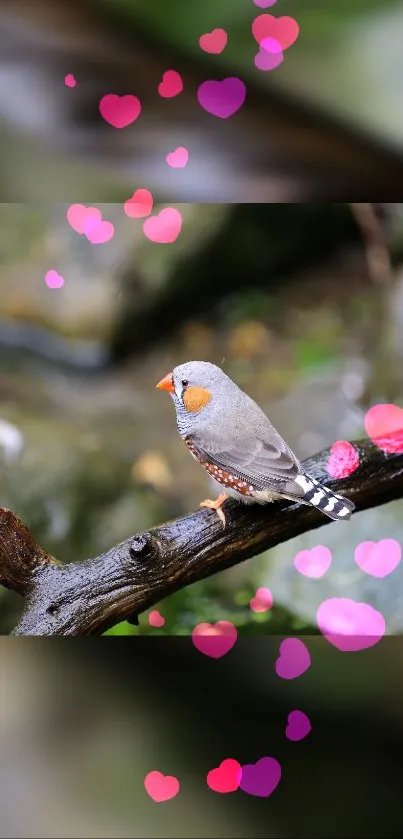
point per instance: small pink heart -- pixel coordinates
(313, 563)
(384, 426)
(265, 60)
(214, 42)
(344, 459)
(178, 158)
(378, 558)
(171, 84)
(163, 228)
(53, 279)
(69, 80)
(155, 619)
(264, 4)
(98, 231)
(348, 625)
(120, 111)
(214, 640)
(77, 215)
(294, 659)
(262, 601)
(161, 787)
(298, 727)
(284, 29)
(140, 204)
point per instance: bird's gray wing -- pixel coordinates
(267, 464)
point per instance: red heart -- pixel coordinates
(285, 29)
(226, 777)
(384, 426)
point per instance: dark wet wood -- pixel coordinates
(86, 598)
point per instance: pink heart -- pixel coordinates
(155, 619)
(214, 42)
(69, 80)
(348, 625)
(298, 727)
(378, 558)
(171, 84)
(265, 60)
(313, 563)
(53, 279)
(294, 659)
(120, 111)
(222, 99)
(178, 158)
(344, 459)
(161, 787)
(165, 227)
(262, 601)
(226, 777)
(264, 4)
(284, 29)
(98, 231)
(384, 426)
(77, 215)
(214, 640)
(140, 204)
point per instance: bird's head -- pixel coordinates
(194, 385)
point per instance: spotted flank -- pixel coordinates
(334, 506)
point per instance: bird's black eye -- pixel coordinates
(185, 382)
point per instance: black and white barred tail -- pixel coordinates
(332, 505)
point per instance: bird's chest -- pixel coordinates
(227, 479)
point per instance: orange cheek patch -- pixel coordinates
(196, 398)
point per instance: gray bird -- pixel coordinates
(233, 439)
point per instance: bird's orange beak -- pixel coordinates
(167, 383)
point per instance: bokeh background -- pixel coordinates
(281, 296)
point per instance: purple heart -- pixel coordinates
(222, 99)
(293, 660)
(298, 727)
(261, 778)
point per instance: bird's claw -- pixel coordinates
(216, 505)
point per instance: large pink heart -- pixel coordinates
(163, 228)
(348, 625)
(284, 29)
(214, 640)
(161, 787)
(120, 111)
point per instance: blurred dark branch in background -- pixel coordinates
(277, 148)
(375, 241)
(86, 598)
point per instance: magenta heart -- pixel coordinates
(348, 625)
(120, 111)
(298, 726)
(378, 558)
(261, 778)
(293, 660)
(222, 99)
(214, 640)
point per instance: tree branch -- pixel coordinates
(86, 598)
